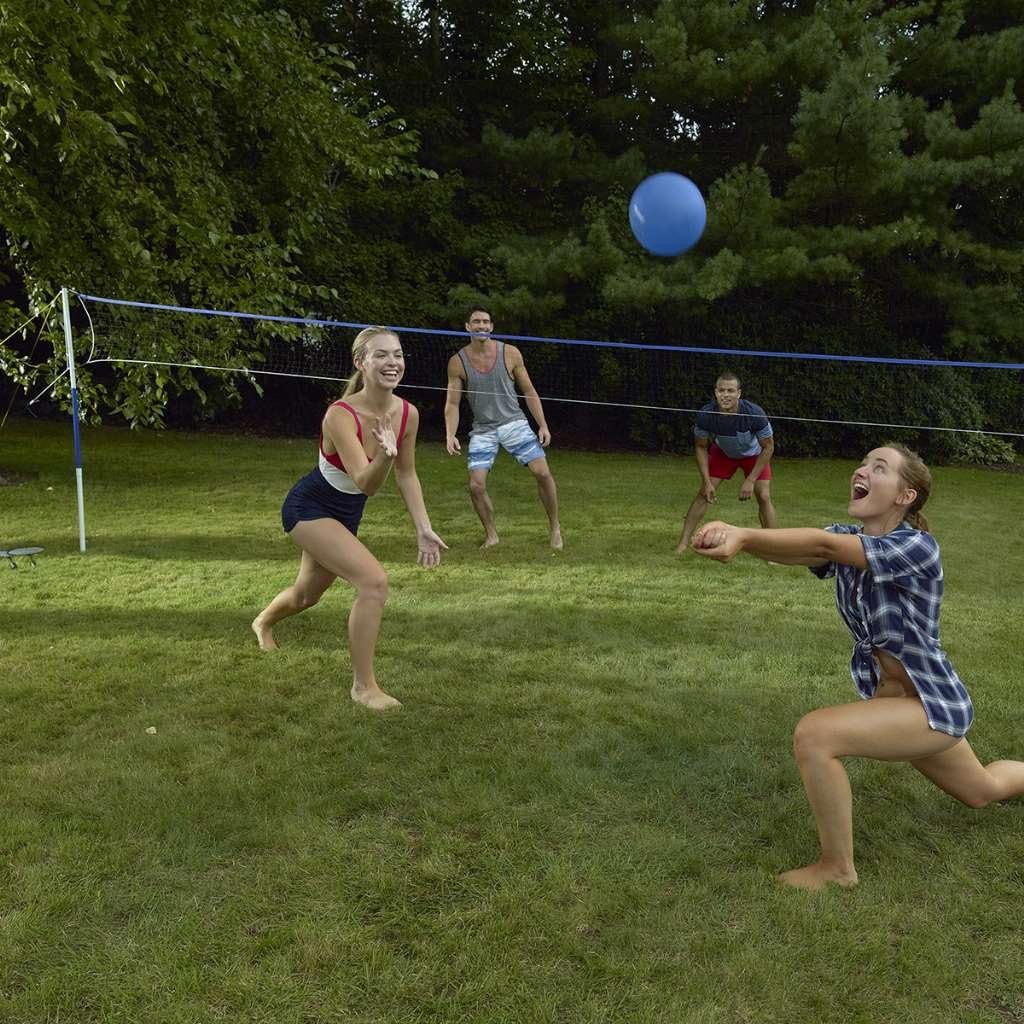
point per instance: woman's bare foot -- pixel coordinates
(264, 635)
(556, 538)
(489, 542)
(681, 547)
(374, 698)
(818, 876)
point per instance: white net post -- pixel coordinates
(69, 346)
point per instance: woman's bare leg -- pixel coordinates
(887, 729)
(338, 553)
(959, 773)
(309, 586)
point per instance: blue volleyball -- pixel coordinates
(667, 214)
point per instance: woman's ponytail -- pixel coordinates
(917, 476)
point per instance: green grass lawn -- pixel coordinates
(576, 817)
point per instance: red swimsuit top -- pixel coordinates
(335, 458)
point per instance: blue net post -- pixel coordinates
(74, 416)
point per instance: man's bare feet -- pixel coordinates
(264, 635)
(374, 698)
(556, 538)
(681, 547)
(818, 876)
(489, 542)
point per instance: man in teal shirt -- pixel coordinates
(731, 433)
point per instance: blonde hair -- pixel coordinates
(359, 347)
(916, 475)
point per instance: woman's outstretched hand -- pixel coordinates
(430, 545)
(384, 433)
(718, 540)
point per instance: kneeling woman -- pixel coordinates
(358, 446)
(888, 591)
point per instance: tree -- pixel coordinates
(202, 159)
(852, 157)
(863, 179)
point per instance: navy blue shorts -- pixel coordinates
(314, 498)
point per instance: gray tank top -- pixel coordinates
(492, 395)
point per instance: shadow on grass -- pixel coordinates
(483, 628)
(108, 623)
(646, 550)
(188, 547)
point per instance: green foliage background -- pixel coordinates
(393, 160)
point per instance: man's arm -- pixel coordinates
(700, 453)
(529, 392)
(452, 401)
(764, 457)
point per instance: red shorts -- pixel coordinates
(722, 467)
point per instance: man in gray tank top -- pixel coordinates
(488, 371)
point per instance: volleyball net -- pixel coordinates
(594, 387)
(138, 359)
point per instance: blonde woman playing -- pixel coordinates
(888, 590)
(362, 436)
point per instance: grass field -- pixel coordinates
(576, 817)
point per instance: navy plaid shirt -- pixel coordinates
(893, 605)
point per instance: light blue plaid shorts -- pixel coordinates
(516, 438)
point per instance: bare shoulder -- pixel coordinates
(455, 367)
(513, 357)
(414, 413)
(338, 415)
(339, 424)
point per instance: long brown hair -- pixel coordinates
(916, 475)
(359, 348)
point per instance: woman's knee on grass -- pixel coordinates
(976, 794)
(976, 800)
